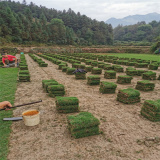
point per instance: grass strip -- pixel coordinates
(8, 85)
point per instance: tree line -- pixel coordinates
(28, 24)
(140, 32)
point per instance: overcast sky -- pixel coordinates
(102, 10)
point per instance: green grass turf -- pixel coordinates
(8, 85)
(138, 56)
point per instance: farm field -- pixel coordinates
(123, 129)
(138, 56)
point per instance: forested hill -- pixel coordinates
(29, 24)
(141, 32)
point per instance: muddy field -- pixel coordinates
(122, 125)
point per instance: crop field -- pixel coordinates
(95, 115)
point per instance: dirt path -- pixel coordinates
(121, 124)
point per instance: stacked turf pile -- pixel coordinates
(128, 96)
(93, 80)
(61, 65)
(83, 125)
(153, 66)
(110, 74)
(43, 64)
(88, 68)
(24, 75)
(145, 85)
(141, 65)
(96, 70)
(70, 71)
(140, 72)
(131, 63)
(107, 87)
(151, 110)
(47, 83)
(64, 68)
(108, 67)
(149, 75)
(118, 68)
(131, 71)
(56, 90)
(80, 75)
(67, 104)
(124, 79)
(94, 63)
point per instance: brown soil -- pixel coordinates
(124, 129)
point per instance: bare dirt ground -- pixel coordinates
(122, 125)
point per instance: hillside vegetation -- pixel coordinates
(31, 24)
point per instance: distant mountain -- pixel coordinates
(134, 19)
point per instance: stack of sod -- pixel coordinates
(47, 84)
(70, 71)
(110, 74)
(64, 68)
(56, 90)
(151, 110)
(131, 71)
(141, 65)
(81, 66)
(43, 64)
(88, 62)
(100, 65)
(131, 63)
(107, 87)
(23, 67)
(88, 68)
(67, 104)
(153, 66)
(108, 67)
(61, 65)
(45, 81)
(24, 77)
(23, 72)
(145, 85)
(82, 59)
(93, 80)
(124, 79)
(149, 75)
(94, 63)
(75, 65)
(128, 96)
(96, 70)
(140, 72)
(118, 69)
(80, 75)
(83, 125)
